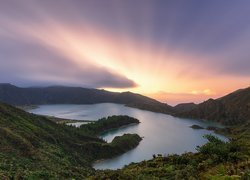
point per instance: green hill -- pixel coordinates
(231, 109)
(34, 147)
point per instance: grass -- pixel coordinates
(34, 147)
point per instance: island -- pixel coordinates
(106, 124)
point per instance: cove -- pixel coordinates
(162, 134)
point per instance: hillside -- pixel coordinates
(34, 147)
(231, 109)
(76, 95)
(184, 107)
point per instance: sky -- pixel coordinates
(172, 50)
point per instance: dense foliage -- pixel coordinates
(106, 124)
(34, 147)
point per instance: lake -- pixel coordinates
(162, 134)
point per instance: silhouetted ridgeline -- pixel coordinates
(76, 95)
(230, 109)
(233, 108)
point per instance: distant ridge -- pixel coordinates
(76, 95)
(231, 109)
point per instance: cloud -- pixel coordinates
(26, 62)
(161, 45)
(34, 52)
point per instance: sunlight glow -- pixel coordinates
(154, 69)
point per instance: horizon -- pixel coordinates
(171, 104)
(172, 51)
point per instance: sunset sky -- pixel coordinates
(174, 51)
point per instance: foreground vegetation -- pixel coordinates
(34, 147)
(214, 160)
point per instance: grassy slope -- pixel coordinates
(35, 147)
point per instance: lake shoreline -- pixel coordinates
(121, 127)
(165, 134)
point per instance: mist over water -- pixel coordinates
(163, 134)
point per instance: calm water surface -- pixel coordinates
(162, 133)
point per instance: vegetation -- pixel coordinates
(212, 128)
(231, 109)
(65, 121)
(106, 124)
(214, 160)
(122, 144)
(76, 95)
(34, 147)
(183, 107)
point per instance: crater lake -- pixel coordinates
(162, 133)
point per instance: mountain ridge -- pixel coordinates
(77, 95)
(233, 108)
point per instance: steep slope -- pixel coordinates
(233, 108)
(75, 95)
(34, 147)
